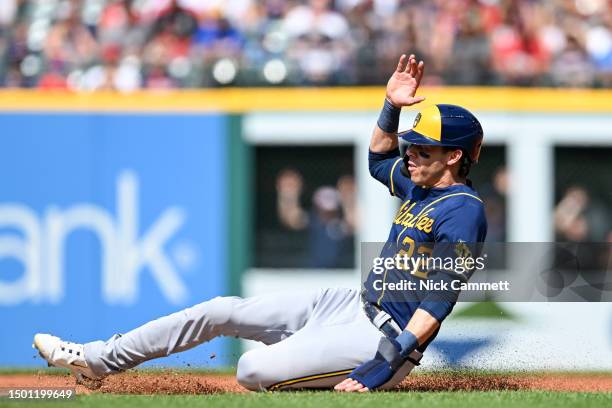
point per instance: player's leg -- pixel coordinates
(336, 339)
(268, 319)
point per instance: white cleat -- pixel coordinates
(64, 354)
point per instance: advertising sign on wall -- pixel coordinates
(107, 221)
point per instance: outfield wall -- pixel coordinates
(116, 209)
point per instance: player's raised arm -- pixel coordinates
(384, 159)
(401, 91)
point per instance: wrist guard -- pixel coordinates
(388, 120)
(396, 351)
(408, 343)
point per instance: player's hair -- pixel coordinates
(466, 165)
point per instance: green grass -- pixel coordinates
(494, 399)
(32, 370)
(327, 399)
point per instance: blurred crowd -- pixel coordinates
(581, 217)
(330, 223)
(132, 44)
(583, 221)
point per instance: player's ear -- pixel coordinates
(454, 156)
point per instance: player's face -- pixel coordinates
(426, 164)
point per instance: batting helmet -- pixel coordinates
(446, 125)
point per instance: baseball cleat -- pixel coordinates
(64, 354)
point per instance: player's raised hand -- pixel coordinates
(405, 81)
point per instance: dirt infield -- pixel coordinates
(176, 382)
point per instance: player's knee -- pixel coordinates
(249, 372)
(217, 314)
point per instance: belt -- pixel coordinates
(381, 319)
(385, 323)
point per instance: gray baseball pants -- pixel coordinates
(313, 338)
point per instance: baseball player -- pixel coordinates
(347, 339)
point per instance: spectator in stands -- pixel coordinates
(471, 49)
(494, 195)
(320, 41)
(128, 44)
(580, 217)
(69, 45)
(330, 223)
